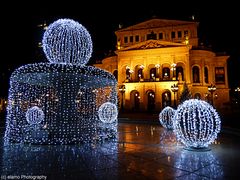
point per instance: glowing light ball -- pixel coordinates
(34, 115)
(67, 41)
(68, 92)
(108, 112)
(196, 123)
(166, 117)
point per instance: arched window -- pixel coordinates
(151, 101)
(179, 71)
(136, 101)
(166, 99)
(206, 74)
(128, 74)
(195, 74)
(197, 96)
(166, 73)
(115, 73)
(140, 74)
(153, 73)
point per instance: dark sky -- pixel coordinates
(20, 32)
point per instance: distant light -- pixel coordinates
(237, 89)
(120, 26)
(193, 17)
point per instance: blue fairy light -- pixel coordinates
(34, 115)
(196, 123)
(58, 102)
(108, 112)
(67, 41)
(166, 117)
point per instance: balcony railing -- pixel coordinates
(150, 80)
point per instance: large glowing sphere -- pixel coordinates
(196, 123)
(166, 117)
(67, 41)
(34, 115)
(108, 112)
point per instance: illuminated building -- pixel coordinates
(154, 55)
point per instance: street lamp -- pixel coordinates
(174, 89)
(122, 91)
(212, 89)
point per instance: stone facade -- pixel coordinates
(154, 55)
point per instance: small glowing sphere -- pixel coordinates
(108, 112)
(196, 123)
(166, 117)
(67, 41)
(34, 115)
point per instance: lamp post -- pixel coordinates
(174, 89)
(212, 89)
(122, 91)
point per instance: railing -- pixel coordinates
(149, 80)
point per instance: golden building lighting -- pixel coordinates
(154, 55)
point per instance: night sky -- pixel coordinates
(218, 28)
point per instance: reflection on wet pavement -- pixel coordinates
(141, 152)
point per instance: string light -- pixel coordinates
(62, 96)
(34, 115)
(108, 112)
(67, 41)
(166, 117)
(196, 123)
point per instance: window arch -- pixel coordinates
(166, 73)
(197, 96)
(128, 74)
(151, 100)
(153, 73)
(166, 98)
(196, 74)
(135, 100)
(180, 75)
(140, 74)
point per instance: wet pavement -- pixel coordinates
(141, 151)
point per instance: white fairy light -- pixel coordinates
(67, 41)
(166, 117)
(34, 115)
(67, 92)
(196, 123)
(108, 112)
